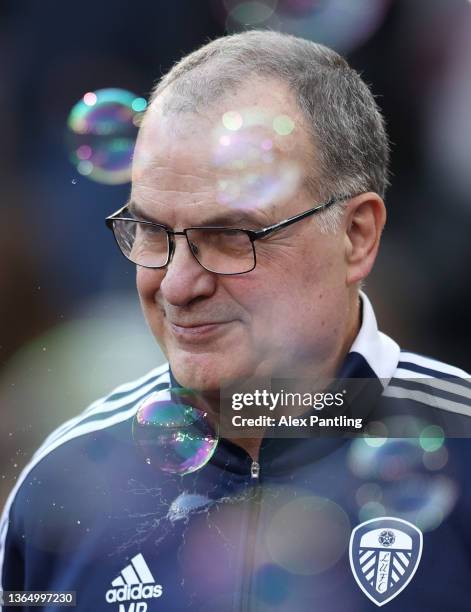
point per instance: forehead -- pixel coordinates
(248, 150)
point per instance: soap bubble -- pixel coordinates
(102, 133)
(272, 584)
(392, 460)
(283, 125)
(173, 431)
(371, 510)
(245, 151)
(243, 14)
(408, 482)
(425, 500)
(376, 434)
(342, 25)
(368, 492)
(328, 527)
(432, 438)
(436, 460)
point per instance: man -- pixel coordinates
(255, 214)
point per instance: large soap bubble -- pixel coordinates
(172, 429)
(102, 133)
(343, 25)
(404, 478)
(245, 152)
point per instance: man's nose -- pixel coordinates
(185, 279)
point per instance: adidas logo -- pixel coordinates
(135, 582)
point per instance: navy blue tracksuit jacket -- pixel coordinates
(90, 515)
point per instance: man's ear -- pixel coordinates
(366, 216)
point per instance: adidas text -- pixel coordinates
(138, 591)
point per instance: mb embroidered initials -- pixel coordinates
(134, 583)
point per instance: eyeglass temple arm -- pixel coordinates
(116, 213)
(109, 219)
(272, 228)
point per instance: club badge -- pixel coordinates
(384, 556)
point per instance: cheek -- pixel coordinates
(316, 291)
(298, 297)
(147, 283)
(322, 267)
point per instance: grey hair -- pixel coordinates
(351, 149)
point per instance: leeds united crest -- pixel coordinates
(384, 556)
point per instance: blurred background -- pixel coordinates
(71, 327)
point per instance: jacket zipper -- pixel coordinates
(255, 469)
(254, 512)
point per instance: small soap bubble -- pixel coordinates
(232, 120)
(435, 460)
(432, 438)
(371, 510)
(102, 132)
(90, 98)
(248, 14)
(389, 461)
(84, 152)
(85, 167)
(368, 492)
(376, 434)
(172, 429)
(139, 105)
(283, 125)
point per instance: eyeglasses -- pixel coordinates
(222, 250)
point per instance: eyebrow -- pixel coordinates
(237, 218)
(137, 212)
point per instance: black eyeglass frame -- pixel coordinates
(252, 234)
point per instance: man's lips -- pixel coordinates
(197, 329)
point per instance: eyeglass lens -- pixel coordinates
(224, 251)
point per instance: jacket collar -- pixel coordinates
(372, 352)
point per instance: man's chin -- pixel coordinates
(204, 373)
(197, 380)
